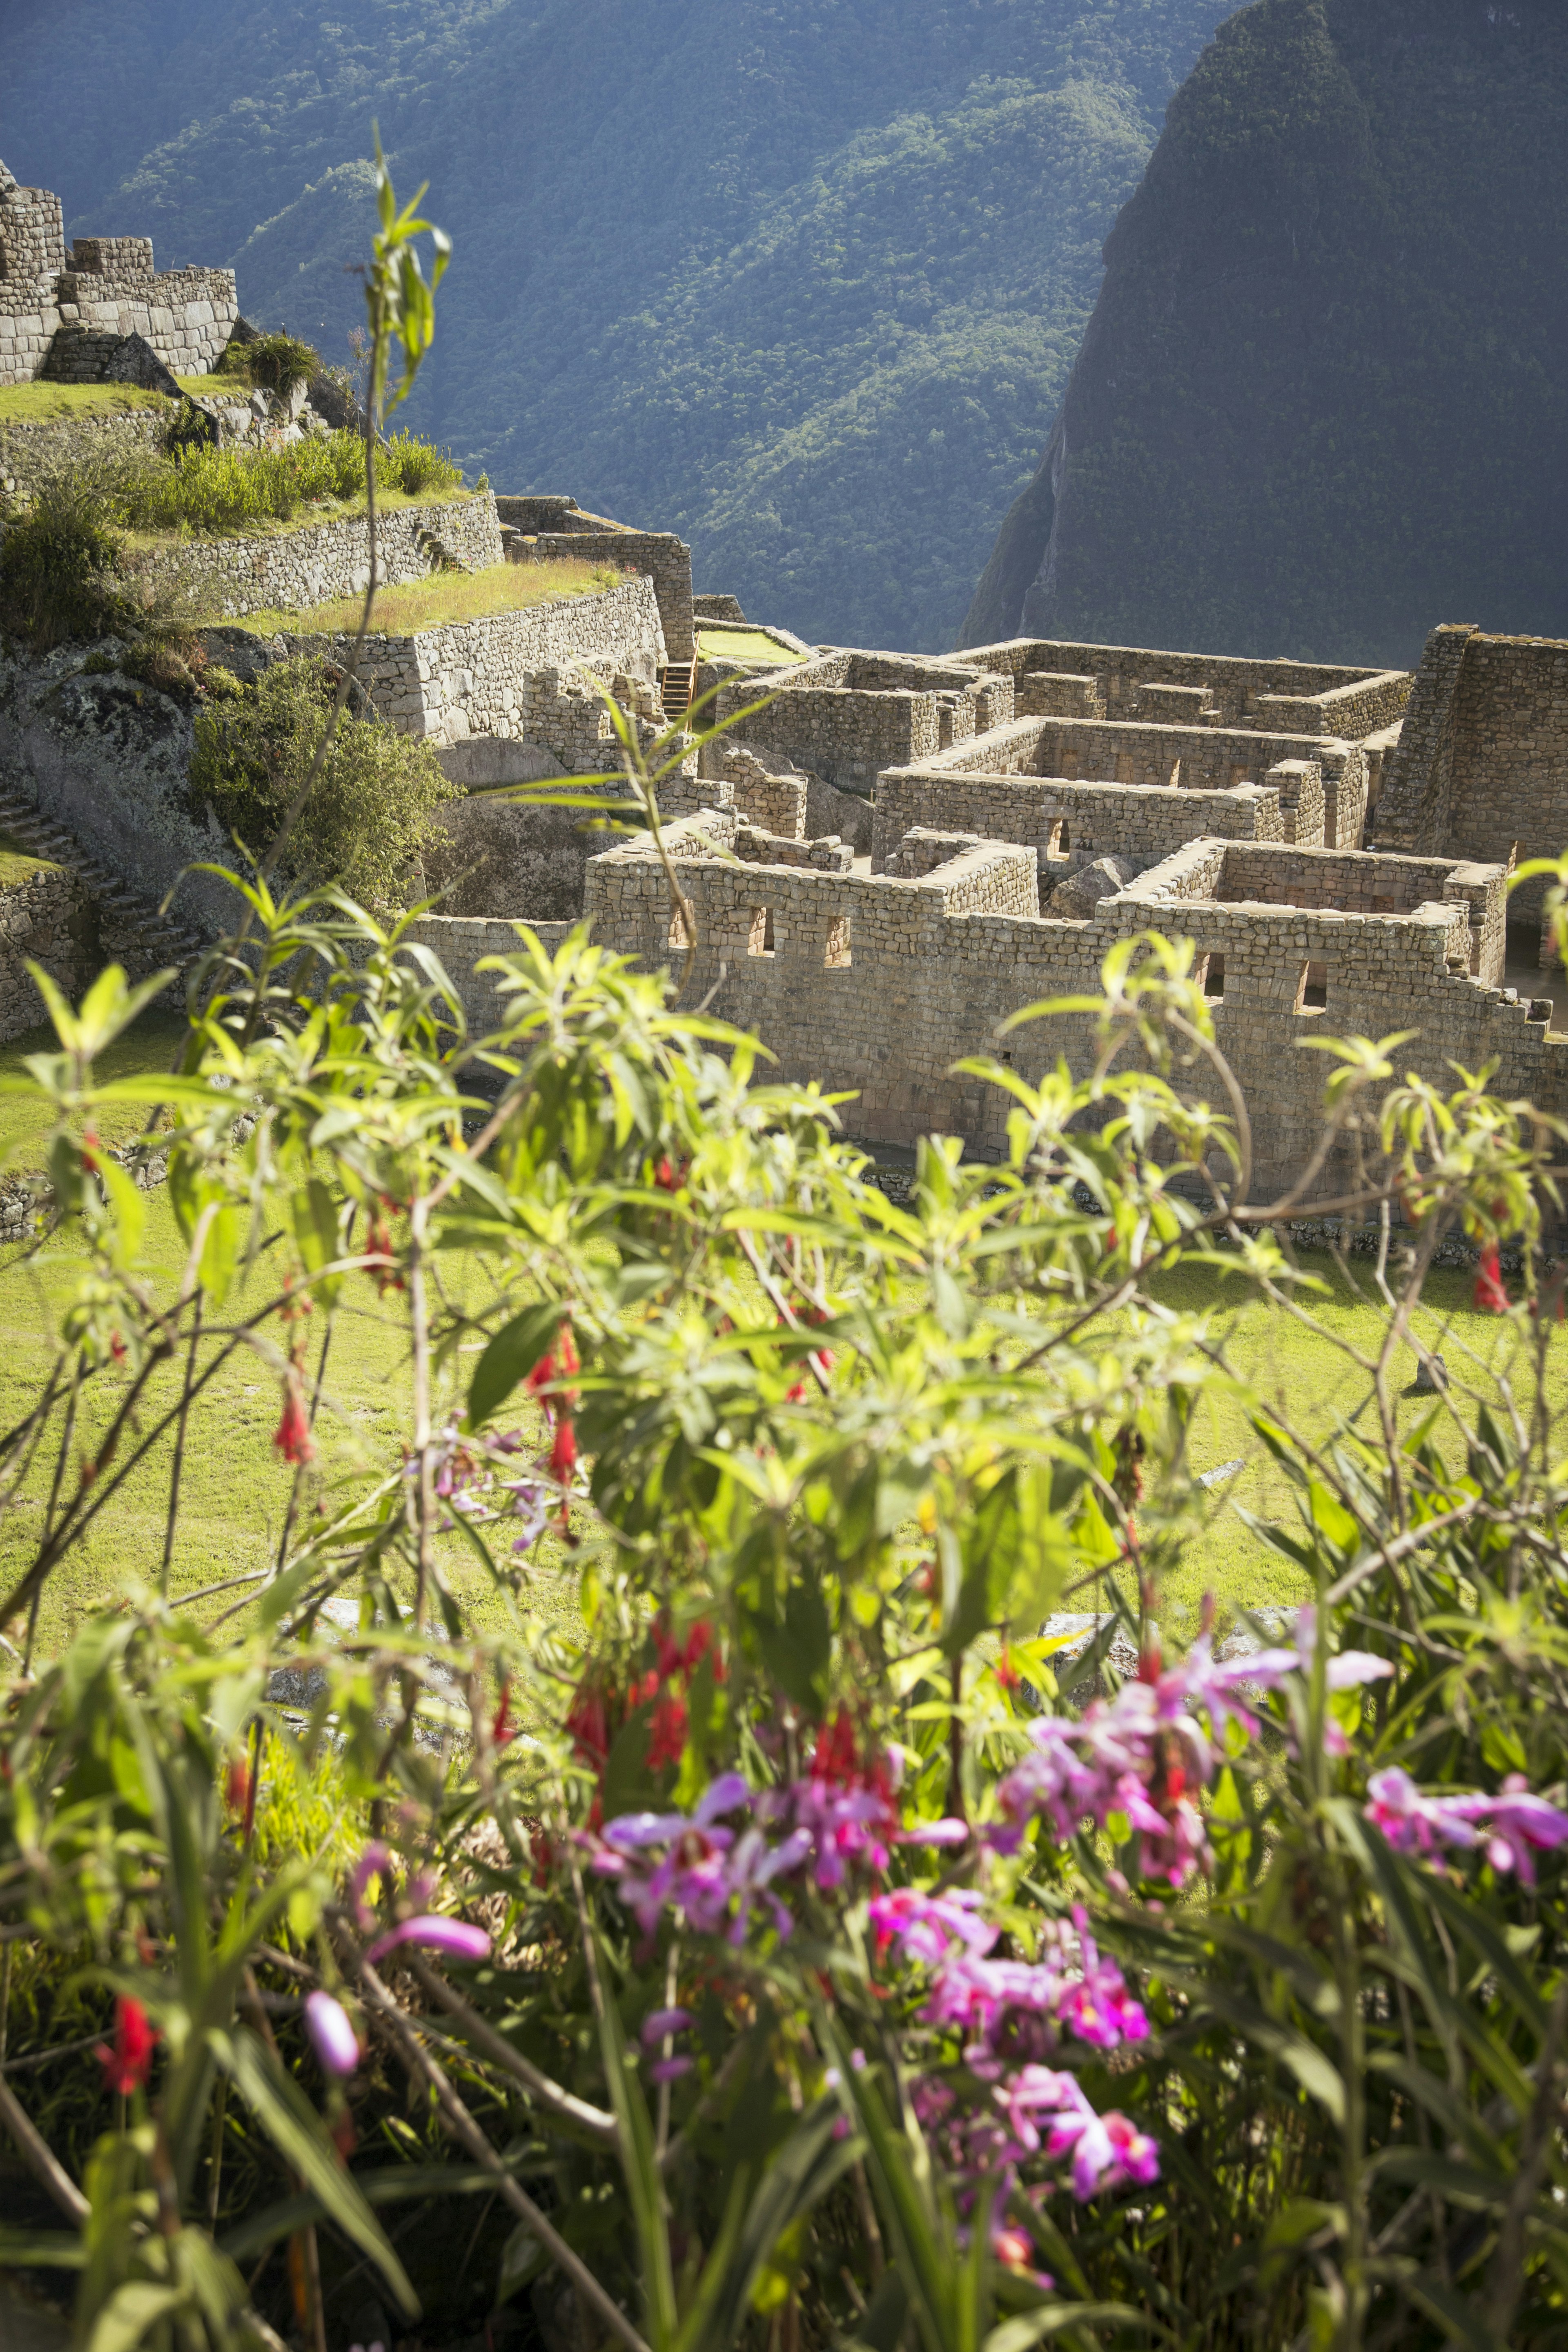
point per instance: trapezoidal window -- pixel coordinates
(1210, 977)
(760, 941)
(1312, 989)
(1060, 843)
(678, 937)
(837, 949)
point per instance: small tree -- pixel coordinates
(372, 808)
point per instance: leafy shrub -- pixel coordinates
(411, 466)
(369, 813)
(274, 363)
(827, 1948)
(59, 567)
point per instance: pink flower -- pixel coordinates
(331, 2033)
(935, 1833)
(926, 1926)
(1514, 1826)
(455, 1937)
(1521, 1826)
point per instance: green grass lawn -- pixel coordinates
(238, 1488)
(718, 641)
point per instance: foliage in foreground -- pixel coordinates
(371, 811)
(788, 1953)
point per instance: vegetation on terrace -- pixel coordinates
(446, 597)
(236, 488)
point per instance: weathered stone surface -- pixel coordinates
(1077, 897)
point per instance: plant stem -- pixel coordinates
(176, 1469)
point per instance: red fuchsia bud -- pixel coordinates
(663, 1176)
(1491, 1293)
(292, 1435)
(1007, 1673)
(500, 1729)
(127, 2066)
(564, 1451)
(566, 1352)
(117, 1347)
(237, 1786)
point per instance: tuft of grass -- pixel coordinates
(446, 597)
(18, 863)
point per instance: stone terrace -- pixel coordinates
(849, 714)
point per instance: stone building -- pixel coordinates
(101, 313)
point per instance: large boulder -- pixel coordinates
(1081, 894)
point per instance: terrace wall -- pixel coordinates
(463, 940)
(290, 570)
(849, 714)
(1214, 759)
(500, 676)
(664, 558)
(47, 919)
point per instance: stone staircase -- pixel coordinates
(135, 933)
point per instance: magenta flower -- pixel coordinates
(926, 1926)
(454, 1938)
(935, 1833)
(332, 2034)
(374, 1862)
(1521, 1826)
(1514, 1826)
(670, 2069)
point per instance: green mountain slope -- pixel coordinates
(802, 279)
(1320, 404)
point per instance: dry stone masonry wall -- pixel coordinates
(68, 317)
(290, 570)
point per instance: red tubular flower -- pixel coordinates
(668, 1741)
(500, 1729)
(663, 1176)
(564, 1452)
(237, 1788)
(292, 1435)
(127, 2066)
(1491, 1293)
(1007, 1673)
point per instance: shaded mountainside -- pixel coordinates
(1321, 403)
(801, 279)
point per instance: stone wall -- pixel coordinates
(930, 978)
(1212, 759)
(1482, 764)
(1132, 682)
(849, 714)
(663, 558)
(292, 569)
(47, 918)
(65, 319)
(495, 675)
(1060, 819)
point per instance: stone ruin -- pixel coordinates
(99, 314)
(895, 852)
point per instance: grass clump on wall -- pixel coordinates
(60, 568)
(444, 598)
(278, 363)
(203, 488)
(371, 812)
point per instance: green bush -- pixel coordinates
(59, 574)
(276, 362)
(370, 813)
(411, 466)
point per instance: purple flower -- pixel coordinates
(670, 2069)
(1522, 1825)
(1514, 1826)
(935, 1833)
(926, 1926)
(331, 2033)
(373, 1863)
(455, 1937)
(663, 2021)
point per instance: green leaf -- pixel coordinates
(639, 2166)
(49, 2249)
(301, 2138)
(511, 1356)
(1055, 2318)
(796, 1648)
(313, 1213)
(132, 2311)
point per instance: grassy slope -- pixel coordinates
(802, 278)
(238, 1491)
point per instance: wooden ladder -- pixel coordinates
(677, 685)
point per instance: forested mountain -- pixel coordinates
(802, 279)
(1321, 405)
